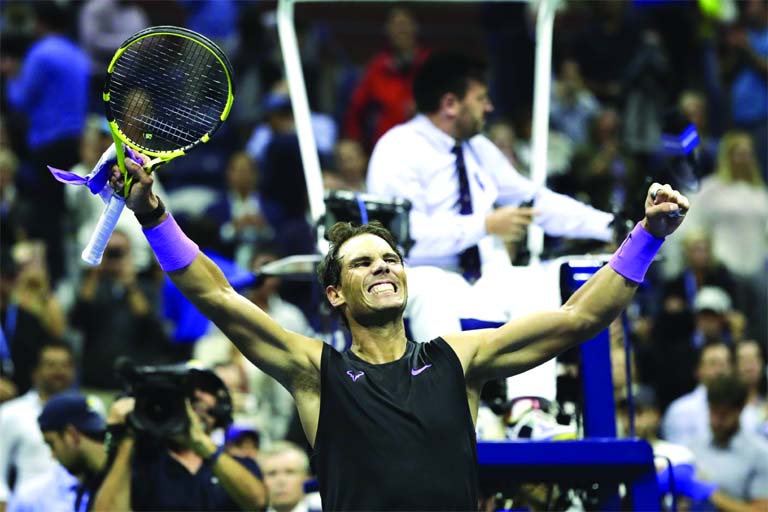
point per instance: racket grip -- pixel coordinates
(104, 228)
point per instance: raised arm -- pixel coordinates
(532, 339)
(282, 354)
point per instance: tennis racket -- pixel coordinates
(167, 90)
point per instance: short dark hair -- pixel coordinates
(445, 72)
(54, 344)
(329, 270)
(51, 14)
(727, 391)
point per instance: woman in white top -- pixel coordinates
(733, 207)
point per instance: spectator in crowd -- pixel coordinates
(233, 374)
(115, 311)
(693, 106)
(647, 424)
(103, 25)
(736, 215)
(349, 166)
(603, 173)
(685, 419)
(22, 448)
(678, 334)
(572, 104)
(51, 88)
(31, 313)
(645, 82)
(240, 211)
(502, 133)
(604, 47)
(10, 229)
(243, 441)
(278, 120)
(187, 472)
(74, 431)
(669, 458)
(701, 269)
(560, 148)
(745, 69)
(285, 195)
(750, 369)
(734, 460)
(384, 97)
(286, 469)
(84, 208)
(712, 307)
(215, 19)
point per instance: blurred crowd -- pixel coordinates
(618, 68)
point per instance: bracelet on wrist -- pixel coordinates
(151, 216)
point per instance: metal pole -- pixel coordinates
(301, 113)
(540, 128)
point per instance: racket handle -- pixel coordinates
(104, 228)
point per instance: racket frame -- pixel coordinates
(94, 249)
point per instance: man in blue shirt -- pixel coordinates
(50, 88)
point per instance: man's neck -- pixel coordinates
(442, 123)
(380, 344)
(187, 458)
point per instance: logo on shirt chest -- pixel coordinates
(416, 371)
(355, 375)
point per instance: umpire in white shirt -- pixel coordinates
(466, 201)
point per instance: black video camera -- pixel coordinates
(160, 393)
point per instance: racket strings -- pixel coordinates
(167, 92)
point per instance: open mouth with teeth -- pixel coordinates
(380, 288)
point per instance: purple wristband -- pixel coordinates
(635, 254)
(173, 249)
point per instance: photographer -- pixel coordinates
(185, 470)
(115, 312)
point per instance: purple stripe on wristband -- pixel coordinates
(172, 248)
(635, 254)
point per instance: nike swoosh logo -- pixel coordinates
(355, 376)
(416, 372)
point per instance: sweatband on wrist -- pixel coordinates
(215, 456)
(635, 254)
(172, 248)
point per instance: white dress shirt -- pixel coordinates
(415, 161)
(687, 419)
(21, 442)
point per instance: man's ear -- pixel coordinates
(335, 296)
(449, 104)
(71, 434)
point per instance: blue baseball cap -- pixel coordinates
(70, 408)
(235, 432)
(275, 102)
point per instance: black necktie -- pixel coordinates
(469, 260)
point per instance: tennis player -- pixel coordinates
(392, 421)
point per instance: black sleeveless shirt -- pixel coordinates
(398, 435)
